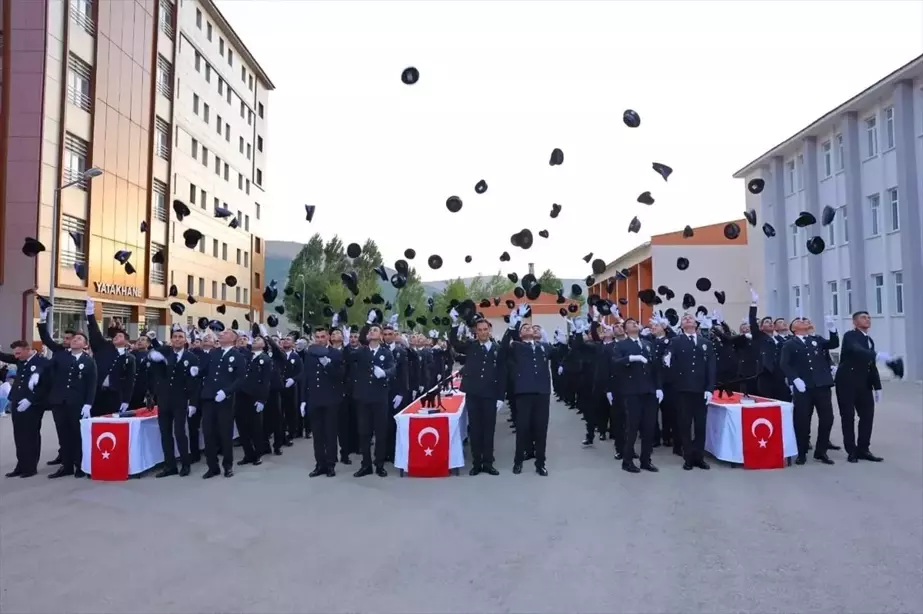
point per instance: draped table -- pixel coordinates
(431, 444)
(758, 433)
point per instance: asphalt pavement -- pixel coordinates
(587, 538)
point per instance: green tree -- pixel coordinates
(551, 282)
(314, 272)
(454, 290)
(411, 294)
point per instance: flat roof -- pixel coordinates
(234, 39)
(849, 105)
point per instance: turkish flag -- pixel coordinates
(109, 451)
(428, 456)
(762, 437)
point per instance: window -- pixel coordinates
(246, 296)
(894, 209)
(871, 137)
(201, 287)
(259, 109)
(831, 235)
(158, 270)
(202, 197)
(214, 248)
(246, 260)
(250, 82)
(224, 251)
(202, 244)
(208, 31)
(205, 111)
(878, 283)
(827, 151)
(198, 19)
(208, 73)
(217, 166)
(162, 139)
(237, 294)
(796, 297)
(243, 74)
(258, 247)
(190, 285)
(248, 150)
(845, 221)
(793, 246)
(247, 184)
(166, 17)
(195, 149)
(82, 14)
(195, 104)
(164, 76)
(898, 292)
(221, 46)
(198, 62)
(227, 132)
(834, 298)
(243, 109)
(840, 153)
(239, 256)
(217, 203)
(230, 58)
(159, 201)
(889, 127)
(249, 117)
(847, 286)
(259, 177)
(72, 241)
(240, 144)
(247, 226)
(218, 125)
(214, 289)
(240, 181)
(224, 292)
(256, 278)
(193, 192)
(259, 143)
(76, 151)
(228, 94)
(790, 175)
(227, 171)
(874, 219)
(79, 74)
(204, 156)
(800, 171)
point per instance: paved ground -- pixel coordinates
(589, 538)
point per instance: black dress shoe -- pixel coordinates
(289, 443)
(656, 444)
(210, 474)
(55, 461)
(79, 473)
(802, 459)
(165, 473)
(702, 465)
(331, 472)
(823, 458)
(380, 472)
(587, 442)
(852, 458)
(27, 474)
(474, 470)
(649, 467)
(257, 462)
(618, 456)
(489, 470)
(830, 446)
(15, 473)
(229, 473)
(687, 466)
(630, 467)
(277, 452)
(868, 456)
(517, 468)
(345, 460)
(602, 437)
(318, 471)
(60, 473)
(541, 471)
(363, 471)
(244, 461)
(184, 471)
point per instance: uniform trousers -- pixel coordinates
(273, 422)
(692, 414)
(27, 437)
(373, 418)
(856, 399)
(291, 412)
(172, 422)
(603, 416)
(107, 402)
(617, 421)
(805, 403)
(325, 420)
(640, 415)
(218, 428)
(195, 426)
(532, 426)
(67, 425)
(667, 430)
(586, 405)
(482, 424)
(347, 428)
(250, 426)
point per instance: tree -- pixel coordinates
(488, 287)
(413, 294)
(550, 282)
(455, 290)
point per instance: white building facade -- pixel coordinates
(863, 159)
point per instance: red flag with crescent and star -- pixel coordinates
(429, 447)
(762, 437)
(109, 451)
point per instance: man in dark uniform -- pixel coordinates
(203, 350)
(858, 387)
(27, 403)
(372, 366)
(323, 399)
(253, 400)
(769, 380)
(483, 382)
(291, 381)
(140, 395)
(73, 390)
(348, 427)
(60, 353)
(806, 368)
(272, 417)
(174, 378)
(691, 361)
(605, 419)
(223, 374)
(115, 367)
(399, 385)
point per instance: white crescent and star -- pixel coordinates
(426, 431)
(757, 423)
(103, 438)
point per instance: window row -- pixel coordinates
(245, 77)
(222, 169)
(201, 109)
(839, 300)
(240, 295)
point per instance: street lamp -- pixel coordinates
(86, 175)
(303, 282)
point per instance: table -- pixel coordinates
(758, 435)
(431, 445)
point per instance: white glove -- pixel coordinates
(609, 397)
(191, 410)
(106, 382)
(43, 316)
(289, 383)
(33, 381)
(155, 356)
(91, 308)
(220, 396)
(123, 407)
(420, 389)
(499, 406)
(659, 395)
(645, 332)
(335, 321)
(833, 369)
(879, 357)
(708, 396)
(393, 320)
(85, 411)
(716, 316)
(560, 370)
(799, 384)
(379, 372)
(371, 318)
(705, 323)
(831, 323)
(754, 297)
(523, 309)
(667, 359)
(876, 394)
(748, 335)
(323, 360)
(151, 334)
(302, 409)
(259, 407)
(24, 405)
(454, 315)
(194, 371)
(397, 401)
(637, 358)
(346, 333)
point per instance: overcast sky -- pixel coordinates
(503, 83)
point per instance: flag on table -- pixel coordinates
(109, 451)
(429, 447)
(762, 437)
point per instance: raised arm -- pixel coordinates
(45, 336)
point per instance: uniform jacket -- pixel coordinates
(484, 373)
(118, 367)
(857, 366)
(805, 358)
(636, 378)
(36, 365)
(368, 388)
(693, 364)
(176, 381)
(222, 371)
(73, 380)
(323, 385)
(529, 364)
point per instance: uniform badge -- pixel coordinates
(292, 361)
(231, 359)
(32, 368)
(381, 358)
(230, 369)
(81, 366)
(185, 363)
(261, 361)
(704, 346)
(814, 343)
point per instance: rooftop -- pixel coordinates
(546, 303)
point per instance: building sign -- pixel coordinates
(117, 290)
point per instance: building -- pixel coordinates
(162, 98)
(546, 312)
(863, 159)
(653, 264)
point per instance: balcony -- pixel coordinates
(81, 13)
(78, 99)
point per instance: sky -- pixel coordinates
(504, 83)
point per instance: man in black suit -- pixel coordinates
(692, 364)
(73, 390)
(372, 366)
(253, 400)
(27, 403)
(399, 385)
(115, 367)
(223, 373)
(770, 382)
(291, 370)
(174, 378)
(805, 366)
(323, 399)
(858, 387)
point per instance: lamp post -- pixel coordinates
(86, 175)
(303, 282)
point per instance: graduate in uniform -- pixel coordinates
(252, 400)
(373, 366)
(661, 335)
(115, 367)
(73, 390)
(60, 353)
(606, 418)
(291, 371)
(140, 395)
(205, 344)
(27, 403)
(272, 416)
(770, 381)
(348, 428)
(323, 399)
(399, 385)
(222, 374)
(174, 379)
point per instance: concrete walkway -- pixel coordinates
(588, 538)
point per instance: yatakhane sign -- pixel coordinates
(117, 290)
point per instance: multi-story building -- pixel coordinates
(863, 159)
(111, 111)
